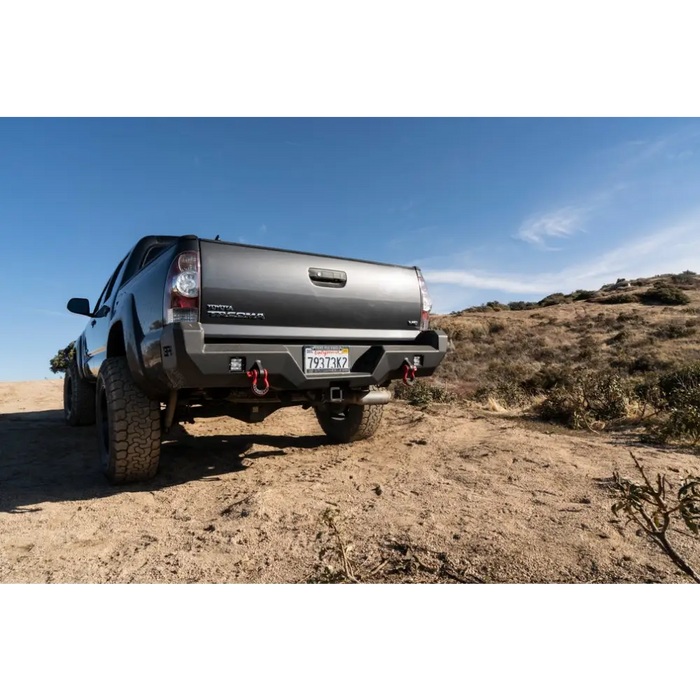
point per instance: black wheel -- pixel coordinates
(78, 398)
(128, 425)
(349, 423)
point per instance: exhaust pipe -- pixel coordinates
(374, 397)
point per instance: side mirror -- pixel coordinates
(79, 306)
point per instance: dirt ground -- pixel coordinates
(444, 495)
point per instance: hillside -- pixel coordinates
(635, 331)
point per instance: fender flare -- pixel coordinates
(132, 336)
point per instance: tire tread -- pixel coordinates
(361, 423)
(83, 398)
(134, 425)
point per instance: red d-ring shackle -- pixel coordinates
(409, 373)
(254, 375)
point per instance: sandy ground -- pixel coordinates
(444, 495)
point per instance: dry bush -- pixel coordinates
(646, 363)
(622, 337)
(588, 348)
(454, 329)
(674, 330)
(423, 394)
(686, 280)
(626, 317)
(588, 399)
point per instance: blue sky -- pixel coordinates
(489, 208)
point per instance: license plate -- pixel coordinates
(326, 359)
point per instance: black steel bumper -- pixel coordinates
(188, 362)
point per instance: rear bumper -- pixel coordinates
(190, 363)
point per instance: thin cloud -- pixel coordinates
(669, 249)
(561, 223)
(50, 312)
(628, 160)
(402, 208)
(672, 146)
(683, 155)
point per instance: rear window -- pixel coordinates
(153, 253)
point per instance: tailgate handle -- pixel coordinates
(327, 278)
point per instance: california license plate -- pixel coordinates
(326, 359)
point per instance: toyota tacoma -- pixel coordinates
(189, 327)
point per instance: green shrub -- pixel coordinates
(521, 305)
(677, 394)
(679, 387)
(554, 299)
(648, 393)
(615, 299)
(60, 361)
(664, 294)
(496, 327)
(584, 295)
(682, 424)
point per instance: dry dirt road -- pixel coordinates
(445, 495)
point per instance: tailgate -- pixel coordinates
(244, 285)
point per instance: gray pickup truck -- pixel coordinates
(189, 327)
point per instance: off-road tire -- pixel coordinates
(78, 398)
(356, 423)
(128, 425)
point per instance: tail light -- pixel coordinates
(426, 303)
(182, 289)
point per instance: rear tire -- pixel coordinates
(351, 423)
(128, 425)
(78, 398)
